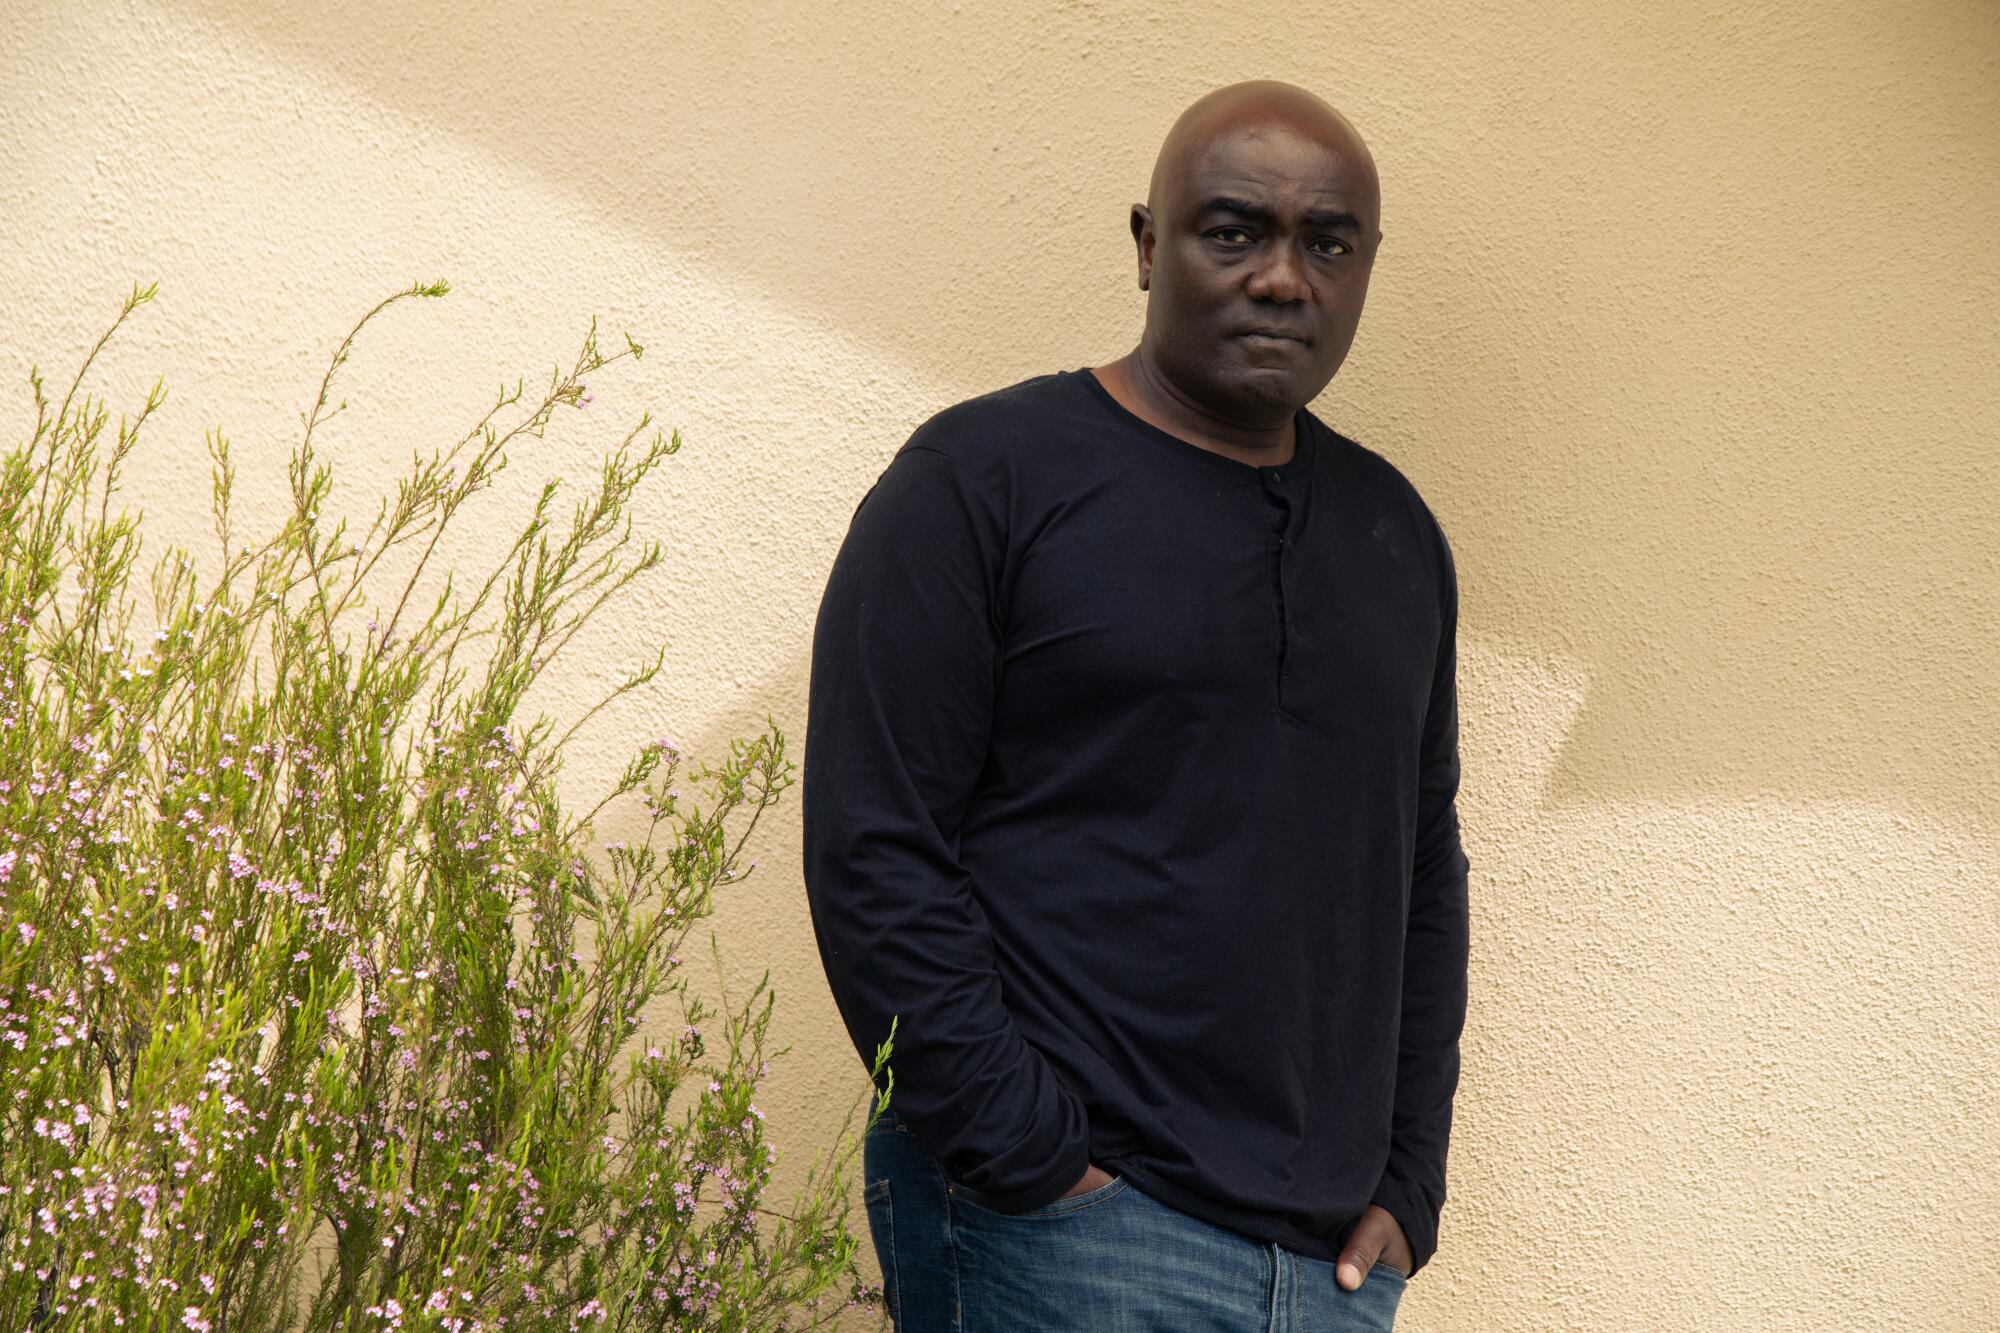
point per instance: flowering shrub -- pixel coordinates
(317, 1008)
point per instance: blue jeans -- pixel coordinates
(1112, 1260)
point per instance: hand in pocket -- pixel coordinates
(1094, 1177)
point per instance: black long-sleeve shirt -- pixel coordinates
(1129, 786)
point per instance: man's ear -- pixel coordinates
(1142, 237)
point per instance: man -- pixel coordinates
(1129, 793)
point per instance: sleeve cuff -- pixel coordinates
(1414, 1214)
(1046, 1187)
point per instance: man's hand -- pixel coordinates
(1376, 1236)
(1093, 1176)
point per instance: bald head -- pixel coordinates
(1254, 244)
(1251, 107)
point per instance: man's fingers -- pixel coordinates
(1352, 1267)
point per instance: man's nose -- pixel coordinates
(1280, 275)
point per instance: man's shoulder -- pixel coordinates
(992, 427)
(1374, 469)
(1393, 492)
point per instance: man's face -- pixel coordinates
(1267, 232)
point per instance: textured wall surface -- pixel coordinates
(1684, 323)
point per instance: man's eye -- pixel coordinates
(1220, 232)
(1343, 247)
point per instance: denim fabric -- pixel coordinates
(1112, 1260)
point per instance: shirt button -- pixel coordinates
(1277, 476)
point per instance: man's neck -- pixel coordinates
(1142, 393)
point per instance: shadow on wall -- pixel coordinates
(1685, 316)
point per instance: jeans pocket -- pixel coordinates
(882, 1229)
(1111, 1189)
(1383, 1265)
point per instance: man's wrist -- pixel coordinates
(1093, 1177)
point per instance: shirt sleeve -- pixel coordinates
(1436, 952)
(905, 660)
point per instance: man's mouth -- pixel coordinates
(1273, 337)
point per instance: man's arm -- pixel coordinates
(1436, 952)
(905, 660)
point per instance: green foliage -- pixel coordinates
(317, 1007)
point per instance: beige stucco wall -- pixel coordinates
(1685, 324)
